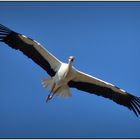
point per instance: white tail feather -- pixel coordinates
(63, 92)
(48, 83)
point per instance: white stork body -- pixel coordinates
(64, 76)
(58, 85)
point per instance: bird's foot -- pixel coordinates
(50, 96)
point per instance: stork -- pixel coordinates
(63, 76)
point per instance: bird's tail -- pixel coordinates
(48, 83)
(63, 91)
(4, 32)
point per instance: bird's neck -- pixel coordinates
(70, 64)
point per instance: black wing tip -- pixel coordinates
(135, 105)
(2, 27)
(4, 32)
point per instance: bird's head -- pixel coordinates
(71, 59)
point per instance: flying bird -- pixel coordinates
(63, 76)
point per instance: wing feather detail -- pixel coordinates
(30, 48)
(99, 87)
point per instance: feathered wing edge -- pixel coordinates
(4, 32)
(96, 86)
(30, 48)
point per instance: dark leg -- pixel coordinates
(49, 97)
(52, 92)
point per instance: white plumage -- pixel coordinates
(64, 76)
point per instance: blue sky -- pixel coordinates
(104, 37)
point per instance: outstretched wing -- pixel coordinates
(31, 48)
(96, 86)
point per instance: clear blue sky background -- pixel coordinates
(104, 37)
